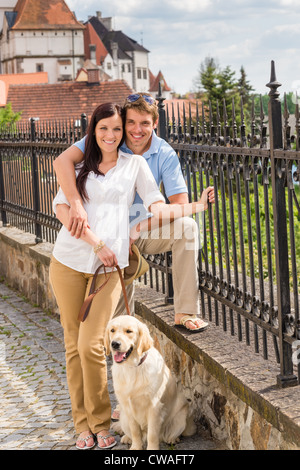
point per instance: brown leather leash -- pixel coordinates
(85, 308)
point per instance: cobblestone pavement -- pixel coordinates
(35, 407)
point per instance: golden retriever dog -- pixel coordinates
(152, 408)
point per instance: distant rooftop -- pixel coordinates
(65, 100)
(42, 14)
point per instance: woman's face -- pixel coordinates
(109, 133)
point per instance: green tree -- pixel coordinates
(245, 90)
(8, 116)
(217, 85)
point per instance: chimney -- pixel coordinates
(93, 53)
(99, 15)
(93, 76)
(107, 23)
(114, 51)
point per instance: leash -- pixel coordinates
(85, 308)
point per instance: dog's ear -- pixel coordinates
(145, 341)
(107, 341)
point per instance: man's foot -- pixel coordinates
(105, 440)
(190, 322)
(85, 440)
(116, 414)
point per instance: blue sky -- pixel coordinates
(180, 33)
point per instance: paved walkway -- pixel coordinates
(35, 407)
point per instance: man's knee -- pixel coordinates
(186, 229)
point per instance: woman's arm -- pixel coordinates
(106, 256)
(64, 166)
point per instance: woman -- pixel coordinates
(107, 181)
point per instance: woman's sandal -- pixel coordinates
(109, 446)
(192, 319)
(85, 439)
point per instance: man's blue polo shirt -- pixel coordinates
(164, 164)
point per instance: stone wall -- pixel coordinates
(25, 266)
(233, 391)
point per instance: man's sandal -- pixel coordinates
(116, 414)
(192, 319)
(109, 446)
(85, 440)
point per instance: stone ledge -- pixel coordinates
(245, 373)
(233, 390)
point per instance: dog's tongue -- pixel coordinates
(119, 356)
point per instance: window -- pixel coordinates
(129, 68)
(123, 68)
(40, 67)
(108, 65)
(145, 74)
(139, 73)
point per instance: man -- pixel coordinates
(180, 236)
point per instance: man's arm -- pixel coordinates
(64, 166)
(167, 213)
(181, 198)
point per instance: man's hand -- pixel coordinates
(208, 195)
(78, 222)
(135, 233)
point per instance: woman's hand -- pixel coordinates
(107, 257)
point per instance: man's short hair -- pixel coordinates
(142, 106)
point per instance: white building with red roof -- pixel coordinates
(42, 36)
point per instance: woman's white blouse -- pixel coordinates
(110, 198)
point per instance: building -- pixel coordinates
(125, 58)
(42, 36)
(6, 5)
(154, 86)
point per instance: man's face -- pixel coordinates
(138, 130)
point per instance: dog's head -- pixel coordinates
(126, 337)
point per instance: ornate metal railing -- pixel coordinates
(250, 257)
(250, 254)
(27, 180)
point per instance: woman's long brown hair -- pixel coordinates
(92, 154)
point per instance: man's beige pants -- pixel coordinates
(182, 238)
(84, 343)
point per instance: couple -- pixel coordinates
(93, 206)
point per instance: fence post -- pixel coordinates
(162, 132)
(162, 128)
(83, 125)
(278, 175)
(35, 184)
(2, 194)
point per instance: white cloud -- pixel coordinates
(181, 33)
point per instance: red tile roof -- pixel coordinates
(19, 79)
(44, 14)
(64, 100)
(159, 78)
(182, 106)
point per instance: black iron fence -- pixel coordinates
(27, 180)
(250, 253)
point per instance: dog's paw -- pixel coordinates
(136, 447)
(116, 427)
(125, 440)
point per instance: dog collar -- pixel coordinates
(143, 359)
